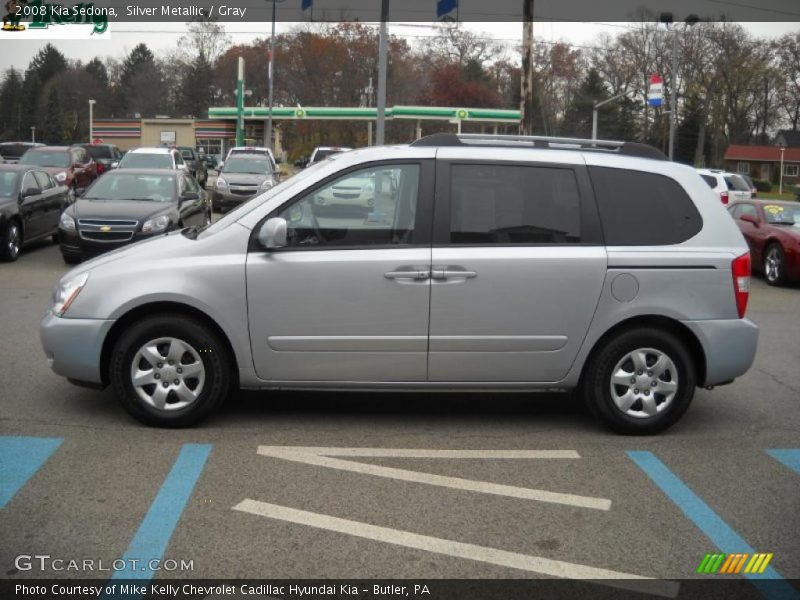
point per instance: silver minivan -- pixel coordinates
(484, 263)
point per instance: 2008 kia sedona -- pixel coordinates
(484, 262)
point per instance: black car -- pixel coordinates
(30, 204)
(105, 155)
(196, 166)
(11, 151)
(128, 205)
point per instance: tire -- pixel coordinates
(10, 241)
(203, 382)
(654, 401)
(55, 239)
(774, 265)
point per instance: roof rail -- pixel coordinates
(536, 141)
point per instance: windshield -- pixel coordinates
(140, 160)
(782, 214)
(247, 164)
(735, 182)
(99, 151)
(8, 183)
(133, 186)
(45, 158)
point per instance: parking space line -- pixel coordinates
(789, 457)
(495, 556)
(153, 535)
(324, 457)
(20, 458)
(770, 583)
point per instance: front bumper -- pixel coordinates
(75, 247)
(729, 346)
(73, 347)
(226, 199)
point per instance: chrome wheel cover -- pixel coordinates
(644, 383)
(772, 264)
(167, 374)
(13, 240)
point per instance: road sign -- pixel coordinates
(655, 94)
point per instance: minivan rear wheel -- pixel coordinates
(170, 371)
(640, 381)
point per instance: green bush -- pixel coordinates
(762, 185)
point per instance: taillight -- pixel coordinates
(740, 269)
(724, 197)
(100, 168)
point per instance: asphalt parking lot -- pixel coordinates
(312, 485)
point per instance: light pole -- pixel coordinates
(383, 50)
(33, 134)
(268, 133)
(91, 121)
(603, 103)
(666, 18)
(780, 185)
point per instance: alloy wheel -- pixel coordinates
(13, 241)
(773, 264)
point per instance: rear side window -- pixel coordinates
(508, 204)
(643, 209)
(711, 181)
(736, 183)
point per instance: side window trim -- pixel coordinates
(422, 223)
(590, 230)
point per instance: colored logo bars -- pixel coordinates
(733, 563)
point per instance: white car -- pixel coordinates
(357, 191)
(154, 158)
(729, 186)
(252, 150)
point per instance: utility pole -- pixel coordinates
(268, 132)
(673, 96)
(526, 95)
(383, 51)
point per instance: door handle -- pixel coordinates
(416, 274)
(452, 274)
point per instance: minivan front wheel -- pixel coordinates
(640, 381)
(169, 371)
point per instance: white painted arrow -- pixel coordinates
(324, 457)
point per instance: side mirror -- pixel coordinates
(272, 234)
(749, 219)
(190, 196)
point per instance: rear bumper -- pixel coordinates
(73, 347)
(729, 346)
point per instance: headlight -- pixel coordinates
(66, 292)
(266, 184)
(221, 183)
(61, 177)
(156, 225)
(66, 222)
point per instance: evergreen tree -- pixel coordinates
(195, 95)
(97, 70)
(141, 83)
(52, 130)
(11, 106)
(578, 120)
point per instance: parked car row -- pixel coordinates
(729, 186)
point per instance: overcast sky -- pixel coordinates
(162, 37)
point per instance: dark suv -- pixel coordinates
(105, 155)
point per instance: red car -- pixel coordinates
(69, 165)
(772, 230)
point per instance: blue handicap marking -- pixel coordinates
(770, 583)
(20, 458)
(151, 539)
(789, 457)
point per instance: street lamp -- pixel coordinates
(666, 19)
(33, 134)
(780, 184)
(603, 103)
(268, 134)
(91, 121)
